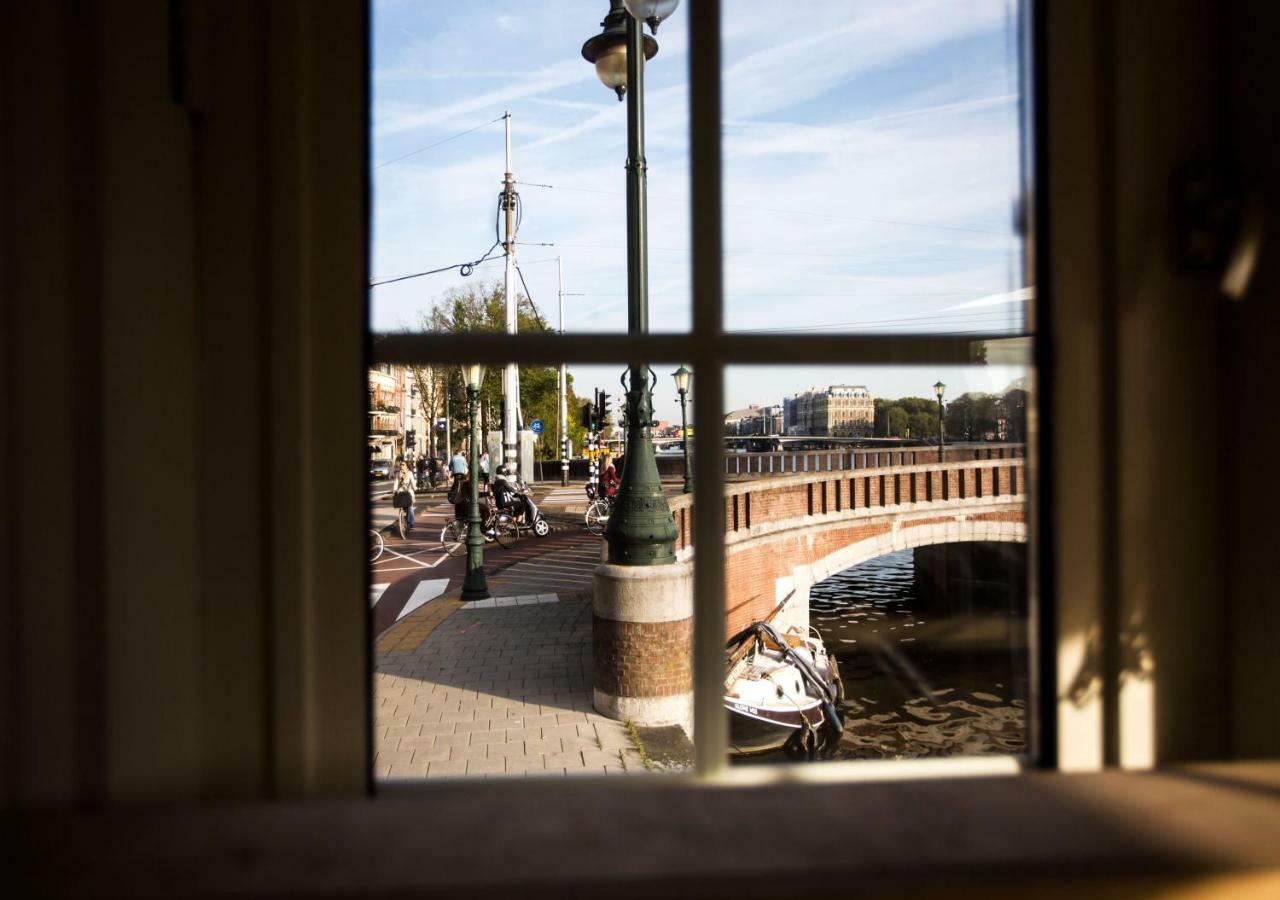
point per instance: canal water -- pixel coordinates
(932, 647)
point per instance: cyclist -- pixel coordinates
(458, 467)
(405, 485)
(609, 479)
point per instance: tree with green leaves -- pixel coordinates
(482, 308)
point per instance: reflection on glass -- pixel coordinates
(873, 167)
(510, 682)
(876, 562)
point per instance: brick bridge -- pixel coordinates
(786, 532)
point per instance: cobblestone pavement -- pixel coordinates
(496, 691)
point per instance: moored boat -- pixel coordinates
(781, 691)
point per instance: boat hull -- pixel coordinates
(755, 729)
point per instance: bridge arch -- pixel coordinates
(785, 534)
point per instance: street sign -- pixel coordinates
(536, 426)
(440, 426)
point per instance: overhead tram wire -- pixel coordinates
(794, 212)
(453, 137)
(464, 269)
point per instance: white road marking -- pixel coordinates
(425, 592)
(375, 593)
(423, 565)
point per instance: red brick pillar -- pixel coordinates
(642, 643)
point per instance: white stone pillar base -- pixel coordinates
(642, 644)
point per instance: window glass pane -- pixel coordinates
(444, 76)
(536, 668)
(897, 577)
(872, 163)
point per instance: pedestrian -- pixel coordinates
(403, 492)
(484, 467)
(609, 478)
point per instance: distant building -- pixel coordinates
(399, 419)
(840, 410)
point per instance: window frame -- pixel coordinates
(708, 348)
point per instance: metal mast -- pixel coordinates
(511, 375)
(564, 392)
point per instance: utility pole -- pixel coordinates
(564, 392)
(511, 375)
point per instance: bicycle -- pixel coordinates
(597, 515)
(376, 544)
(499, 526)
(402, 523)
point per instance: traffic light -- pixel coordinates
(410, 439)
(585, 416)
(604, 408)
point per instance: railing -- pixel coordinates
(804, 461)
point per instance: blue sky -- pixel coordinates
(871, 167)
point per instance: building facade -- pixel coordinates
(399, 414)
(839, 410)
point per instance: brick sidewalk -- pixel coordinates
(502, 691)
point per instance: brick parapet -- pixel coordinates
(788, 500)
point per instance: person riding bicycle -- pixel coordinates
(403, 491)
(458, 466)
(609, 479)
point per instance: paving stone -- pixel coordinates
(393, 757)
(422, 742)
(565, 760)
(433, 754)
(505, 749)
(522, 734)
(453, 740)
(526, 763)
(438, 728)
(469, 751)
(407, 771)
(488, 737)
(542, 747)
(578, 743)
(594, 757)
(447, 768)
(424, 717)
(587, 770)
(460, 727)
(560, 731)
(485, 766)
(400, 731)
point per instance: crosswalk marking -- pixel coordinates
(562, 495)
(425, 592)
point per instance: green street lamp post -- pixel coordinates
(939, 389)
(641, 530)
(474, 586)
(682, 375)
